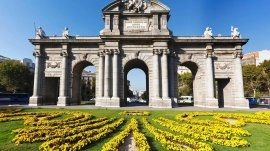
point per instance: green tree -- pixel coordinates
(93, 89)
(144, 96)
(16, 77)
(253, 79)
(185, 84)
(265, 68)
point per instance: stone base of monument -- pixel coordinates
(35, 101)
(63, 101)
(160, 103)
(209, 103)
(108, 102)
(239, 103)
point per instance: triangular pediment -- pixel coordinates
(122, 6)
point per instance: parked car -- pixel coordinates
(265, 100)
(185, 99)
(252, 100)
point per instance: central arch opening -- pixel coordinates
(136, 87)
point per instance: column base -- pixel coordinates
(239, 103)
(63, 101)
(35, 101)
(160, 103)
(210, 103)
(108, 102)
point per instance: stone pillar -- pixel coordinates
(115, 74)
(155, 29)
(164, 22)
(240, 101)
(116, 30)
(63, 98)
(156, 84)
(36, 99)
(239, 76)
(107, 23)
(165, 81)
(211, 101)
(107, 74)
(101, 75)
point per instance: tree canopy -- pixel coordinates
(185, 84)
(257, 79)
(15, 77)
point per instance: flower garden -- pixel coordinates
(107, 130)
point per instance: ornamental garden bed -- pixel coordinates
(106, 130)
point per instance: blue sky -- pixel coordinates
(84, 17)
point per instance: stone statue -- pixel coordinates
(40, 33)
(235, 33)
(65, 33)
(136, 5)
(208, 32)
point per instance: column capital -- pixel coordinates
(157, 51)
(238, 55)
(238, 47)
(166, 51)
(107, 51)
(116, 51)
(37, 53)
(64, 53)
(101, 54)
(209, 53)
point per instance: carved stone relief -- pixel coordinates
(53, 65)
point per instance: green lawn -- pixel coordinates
(259, 140)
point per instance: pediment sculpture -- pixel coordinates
(135, 5)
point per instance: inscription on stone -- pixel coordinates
(136, 25)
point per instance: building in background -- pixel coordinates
(256, 57)
(29, 64)
(3, 58)
(88, 85)
(183, 69)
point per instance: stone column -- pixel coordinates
(165, 81)
(240, 101)
(239, 76)
(115, 74)
(107, 74)
(37, 54)
(35, 100)
(63, 98)
(209, 77)
(156, 84)
(211, 101)
(101, 75)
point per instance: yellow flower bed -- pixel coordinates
(216, 134)
(141, 141)
(176, 142)
(192, 130)
(135, 113)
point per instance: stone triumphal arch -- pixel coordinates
(136, 35)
